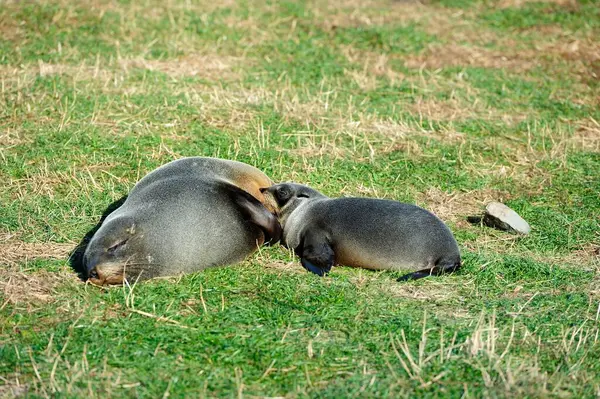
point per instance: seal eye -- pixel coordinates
(303, 195)
(114, 248)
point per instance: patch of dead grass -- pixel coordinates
(521, 3)
(450, 55)
(311, 149)
(13, 388)
(432, 19)
(460, 109)
(11, 138)
(9, 28)
(466, 43)
(587, 135)
(20, 288)
(374, 65)
(284, 267)
(13, 251)
(463, 102)
(38, 184)
(589, 253)
(567, 55)
(584, 49)
(76, 182)
(456, 206)
(208, 66)
(112, 74)
(431, 290)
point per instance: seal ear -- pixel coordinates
(256, 213)
(283, 194)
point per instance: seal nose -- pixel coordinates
(92, 274)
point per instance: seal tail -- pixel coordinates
(444, 266)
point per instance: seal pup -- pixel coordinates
(362, 232)
(185, 216)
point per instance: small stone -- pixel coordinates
(502, 217)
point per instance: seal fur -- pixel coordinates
(362, 232)
(188, 215)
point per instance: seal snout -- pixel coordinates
(106, 273)
(103, 271)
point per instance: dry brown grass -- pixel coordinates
(207, 65)
(14, 251)
(436, 290)
(464, 40)
(589, 254)
(587, 135)
(10, 138)
(9, 28)
(448, 55)
(564, 54)
(433, 19)
(456, 206)
(284, 267)
(11, 389)
(459, 108)
(521, 3)
(30, 289)
(464, 100)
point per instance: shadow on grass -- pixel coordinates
(76, 257)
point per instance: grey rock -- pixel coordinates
(500, 216)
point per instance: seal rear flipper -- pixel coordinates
(439, 269)
(316, 253)
(256, 213)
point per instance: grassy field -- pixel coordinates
(446, 104)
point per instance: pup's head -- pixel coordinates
(116, 252)
(285, 197)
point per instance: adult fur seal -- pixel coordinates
(363, 232)
(187, 215)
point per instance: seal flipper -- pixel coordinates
(439, 269)
(256, 213)
(316, 253)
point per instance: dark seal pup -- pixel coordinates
(187, 215)
(362, 232)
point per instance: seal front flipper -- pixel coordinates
(256, 213)
(442, 267)
(315, 252)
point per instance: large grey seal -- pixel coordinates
(185, 216)
(363, 232)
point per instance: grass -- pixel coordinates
(445, 104)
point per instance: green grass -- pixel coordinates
(95, 95)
